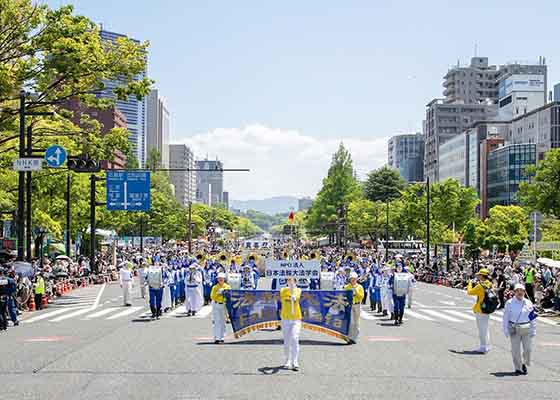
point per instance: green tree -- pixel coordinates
(506, 228)
(384, 184)
(366, 217)
(339, 189)
(474, 236)
(542, 193)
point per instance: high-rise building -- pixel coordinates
(210, 184)
(225, 200)
(445, 121)
(520, 94)
(453, 159)
(132, 108)
(556, 92)
(506, 170)
(540, 126)
(406, 154)
(486, 147)
(157, 122)
(181, 158)
(479, 82)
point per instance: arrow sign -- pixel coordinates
(55, 156)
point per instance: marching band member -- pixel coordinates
(208, 278)
(357, 297)
(125, 278)
(400, 286)
(291, 323)
(247, 278)
(219, 308)
(142, 276)
(193, 290)
(386, 295)
(339, 279)
(375, 289)
(166, 299)
(155, 284)
(233, 267)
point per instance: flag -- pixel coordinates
(291, 217)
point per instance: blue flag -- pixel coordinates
(325, 311)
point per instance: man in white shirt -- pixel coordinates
(125, 278)
(519, 324)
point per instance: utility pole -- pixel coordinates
(68, 213)
(21, 182)
(28, 185)
(387, 233)
(428, 221)
(190, 227)
(93, 204)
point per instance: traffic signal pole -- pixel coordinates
(92, 246)
(21, 182)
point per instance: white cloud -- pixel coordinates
(282, 162)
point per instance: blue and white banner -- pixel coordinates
(323, 311)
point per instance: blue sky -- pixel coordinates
(324, 71)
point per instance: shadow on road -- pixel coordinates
(504, 374)
(270, 370)
(466, 352)
(273, 342)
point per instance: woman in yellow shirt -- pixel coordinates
(291, 323)
(357, 297)
(219, 308)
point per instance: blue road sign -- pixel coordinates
(128, 190)
(55, 156)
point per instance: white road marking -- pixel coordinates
(547, 321)
(102, 312)
(441, 315)
(128, 311)
(418, 315)
(365, 315)
(96, 303)
(494, 318)
(47, 315)
(448, 303)
(203, 312)
(71, 315)
(461, 315)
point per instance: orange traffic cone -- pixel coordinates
(45, 301)
(31, 304)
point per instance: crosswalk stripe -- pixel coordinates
(442, 316)
(418, 315)
(365, 315)
(71, 315)
(460, 314)
(494, 318)
(547, 321)
(203, 312)
(47, 315)
(102, 312)
(128, 311)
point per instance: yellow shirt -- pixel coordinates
(358, 295)
(40, 286)
(478, 291)
(215, 294)
(288, 312)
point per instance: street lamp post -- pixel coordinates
(387, 232)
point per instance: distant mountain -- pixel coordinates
(273, 205)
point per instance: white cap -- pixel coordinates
(519, 286)
(353, 275)
(222, 275)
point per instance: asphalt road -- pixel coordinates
(90, 347)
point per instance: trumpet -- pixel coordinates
(313, 256)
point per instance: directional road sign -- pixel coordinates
(28, 164)
(128, 190)
(55, 156)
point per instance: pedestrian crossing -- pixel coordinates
(110, 313)
(456, 315)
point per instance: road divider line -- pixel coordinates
(418, 315)
(441, 315)
(128, 311)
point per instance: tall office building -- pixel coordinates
(133, 109)
(157, 122)
(181, 157)
(210, 184)
(405, 153)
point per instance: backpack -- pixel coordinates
(490, 302)
(154, 278)
(401, 282)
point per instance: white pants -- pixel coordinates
(516, 341)
(409, 296)
(194, 298)
(290, 331)
(219, 317)
(483, 333)
(126, 290)
(387, 299)
(142, 289)
(354, 329)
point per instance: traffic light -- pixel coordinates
(83, 164)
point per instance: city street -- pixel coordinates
(88, 346)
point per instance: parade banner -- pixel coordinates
(323, 311)
(297, 268)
